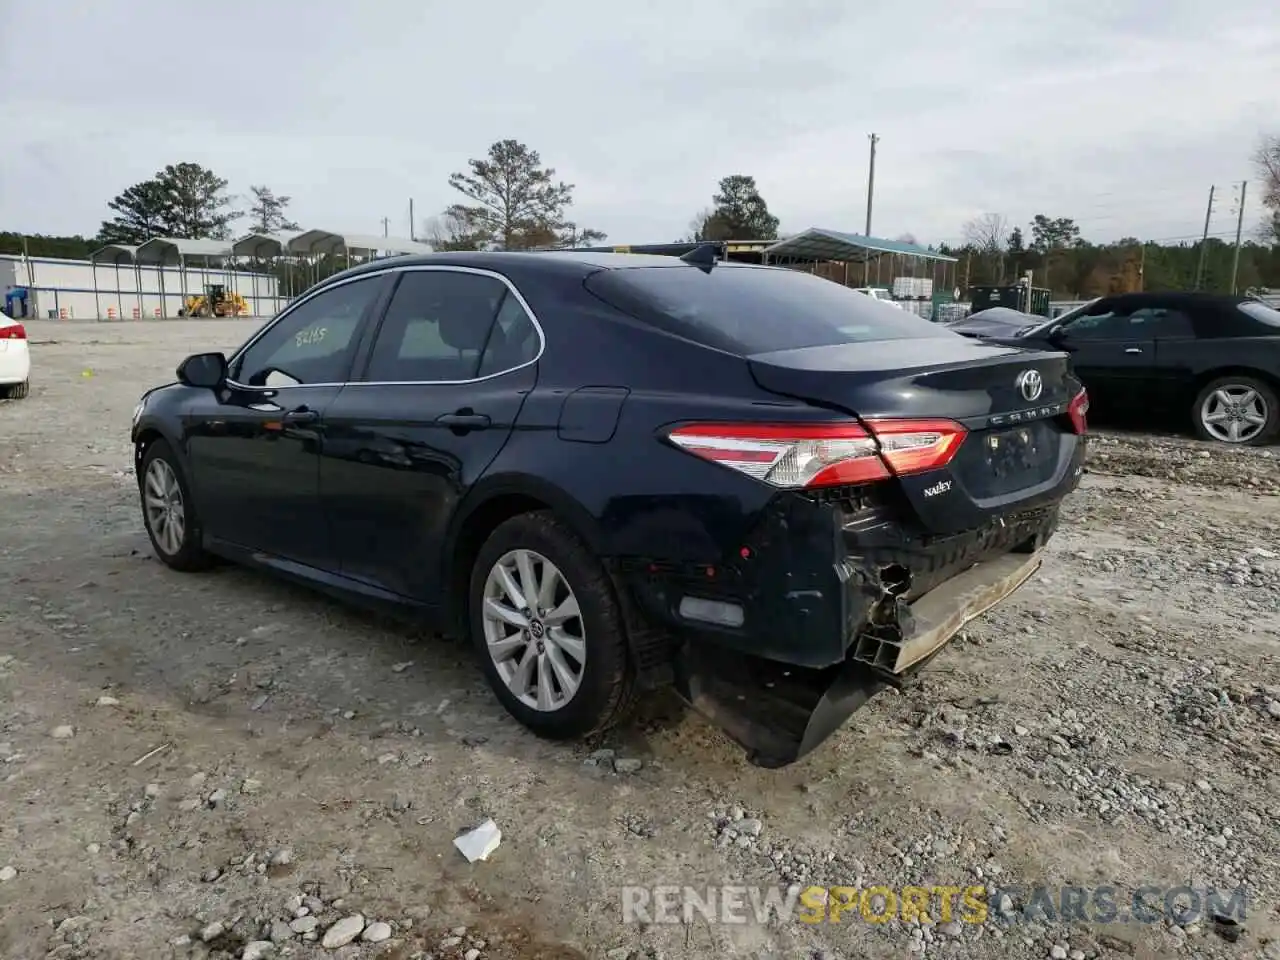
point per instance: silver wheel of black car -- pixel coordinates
(548, 628)
(1236, 410)
(168, 512)
(533, 630)
(164, 507)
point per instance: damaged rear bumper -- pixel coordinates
(780, 712)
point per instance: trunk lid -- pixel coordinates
(1019, 447)
(953, 377)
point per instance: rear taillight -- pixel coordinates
(1077, 411)
(793, 456)
(13, 331)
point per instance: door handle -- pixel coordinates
(464, 420)
(1132, 349)
(301, 415)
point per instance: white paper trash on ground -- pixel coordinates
(477, 844)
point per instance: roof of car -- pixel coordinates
(577, 263)
(497, 260)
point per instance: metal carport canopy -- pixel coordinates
(261, 245)
(114, 253)
(166, 251)
(819, 244)
(311, 242)
(357, 244)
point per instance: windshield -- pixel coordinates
(752, 310)
(1260, 311)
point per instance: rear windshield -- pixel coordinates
(750, 310)
(1260, 311)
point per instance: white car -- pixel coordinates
(15, 359)
(879, 293)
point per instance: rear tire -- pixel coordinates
(16, 391)
(560, 664)
(169, 513)
(1234, 404)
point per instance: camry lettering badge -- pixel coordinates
(1030, 385)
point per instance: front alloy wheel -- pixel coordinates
(170, 516)
(165, 509)
(1235, 412)
(533, 630)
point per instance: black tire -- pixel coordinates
(607, 684)
(190, 557)
(16, 391)
(1267, 394)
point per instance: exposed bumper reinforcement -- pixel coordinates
(927, 624)
(780, 713)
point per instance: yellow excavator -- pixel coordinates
(216, 302)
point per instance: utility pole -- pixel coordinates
(871, 180)
(871, 189)
(412, 235)
(1204, 241)
(1235, 257)
(386, 226)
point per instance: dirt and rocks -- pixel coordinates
(222, 765)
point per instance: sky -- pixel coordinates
(1119, 114)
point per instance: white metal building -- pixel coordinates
(113, 286)
(155, 278)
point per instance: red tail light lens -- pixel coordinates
(795, 456)
(916, 446)
(13, 331)
(1077, 410)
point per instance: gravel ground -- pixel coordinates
(222, 765)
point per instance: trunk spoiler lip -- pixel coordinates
(1001, 354)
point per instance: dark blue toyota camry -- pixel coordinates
(619, 472)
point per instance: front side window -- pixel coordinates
(1143, 323)
(436, 327)
(313, 343)
(1101, 323)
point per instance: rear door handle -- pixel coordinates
(301, 415)
(464, 421)
(1132, 349)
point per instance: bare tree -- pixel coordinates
(909, 238)
(452, 230)
(989, 237)
(988, 233)
(1267, 161)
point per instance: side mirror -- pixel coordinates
(203, 370)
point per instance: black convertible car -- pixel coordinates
(1213, 359)
(618, 471)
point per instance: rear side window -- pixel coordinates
(513, 342)
(750, 310)
(435, 328)
(1261, 312)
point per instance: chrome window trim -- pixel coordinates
(434, 268)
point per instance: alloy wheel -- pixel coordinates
(533, 630)
(1234, 413)
(166, 513)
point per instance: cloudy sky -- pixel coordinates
(1119, 114)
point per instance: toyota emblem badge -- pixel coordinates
(1031, 385)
